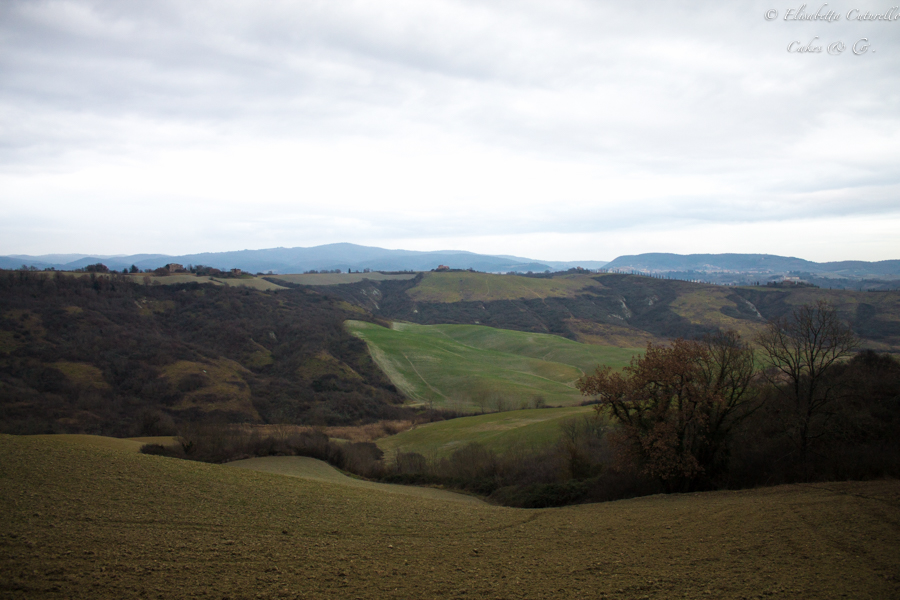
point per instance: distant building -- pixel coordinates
(236, 272)
(442, 268)
(175, 268)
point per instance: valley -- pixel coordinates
(464, 383)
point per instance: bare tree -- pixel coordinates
(799, 352)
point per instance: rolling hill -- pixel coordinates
(614, 309)
(88, 522)
(111, 356)
(471, 368)
(500, 432)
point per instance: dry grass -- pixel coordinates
(87, 522)
(82, 374)
(257, 283)
(8, 342)
(223, 387)
(486, 287)
(324, 363)
(339, 278)
(317, 470)
(604, 334)
(703, 306)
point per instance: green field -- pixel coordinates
(498, 431)
(476, 368)
(92, 522)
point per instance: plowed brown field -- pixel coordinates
(82, 521)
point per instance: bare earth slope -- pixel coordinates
(88, 522)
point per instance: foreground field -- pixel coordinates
(469, 367)
(497, 431)
(311, 469)
(88, 522)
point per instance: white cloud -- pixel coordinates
(518, 126)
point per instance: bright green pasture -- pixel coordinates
(499, 431)
(477, 368)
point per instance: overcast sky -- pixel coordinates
(557, 129)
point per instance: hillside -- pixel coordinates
(471, 368)
(115, 355)
(107, 355)
(87, 522)
(614, 309)
(499, 432)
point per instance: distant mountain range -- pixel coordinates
(298, 260)
(717, 268)
(761, 265)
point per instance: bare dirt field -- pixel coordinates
(86, 521)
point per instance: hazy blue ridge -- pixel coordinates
(342, 256)
(346, 256)
(750, 263)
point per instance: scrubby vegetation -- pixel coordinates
(615, 309)
(107, 355)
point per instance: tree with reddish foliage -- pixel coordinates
(677, 407)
